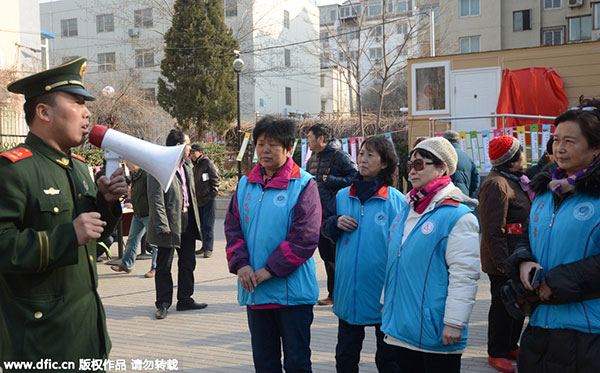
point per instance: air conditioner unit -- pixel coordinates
(134, 32)
(575, 3)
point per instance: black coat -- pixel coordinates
(343, 172)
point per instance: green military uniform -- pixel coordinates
(49, 303)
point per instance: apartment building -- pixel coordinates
(124, 39)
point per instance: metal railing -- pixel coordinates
(493, 117)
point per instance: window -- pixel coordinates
(341, 57)
(596, 14)
(430, 88)
(68, 27)
(580, 28)
(552, 36)
(522, 20)
(105, 23)
(469, 8)
(322, 80)
(230, 8)
(106, 61)
(427, 9)
(143, 18)
(404, 6)
(350, 11)
(261, 102)
(552, 4)
(374, 9)
(470, 44)
(402, 28)
(324, 36)
(354, 55)
(144, 57)
(324, 60)
(323, 105)
(287, 58)
(286, 19)
(149, 94)
(375, 53)
(377, 31)
(288, 96)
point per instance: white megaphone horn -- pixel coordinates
(159, 161)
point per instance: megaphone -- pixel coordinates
(159, 161)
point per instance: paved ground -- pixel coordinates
(216, 339)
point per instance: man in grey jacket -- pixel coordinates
(173, 224)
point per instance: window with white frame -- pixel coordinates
(596, 15)
(106, 62)
(403, 6)
(68, 27)
(469, 44)
(105, 23)
(430, 88)
(143, 18)
(332, 15)
(144, 57)
(375, 53)
(402, 28)
(324, 60)
(261, 102)
(288, 96)
(286, 19)
(354, 55)
(426, 10)
(287, 58)
(377, 31)
(322, 80)
(580, 28)
(552, 36)
(323, 105)
(230, 8)
(522, 20)
(324, 36)
(469, 8)
(552, 4)
(374, 8)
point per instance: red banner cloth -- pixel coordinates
(531, 91)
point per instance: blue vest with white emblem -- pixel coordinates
(265, 219)
(571, 235)
(416, 284)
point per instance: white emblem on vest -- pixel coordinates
(583, 211)
(280, 199)
(427, 228)
(380, 218)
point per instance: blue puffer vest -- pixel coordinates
(361, 255)
(265, 218)
(567, 235)
(416, 284)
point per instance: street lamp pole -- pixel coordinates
(238, 65)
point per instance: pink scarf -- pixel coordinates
(422, 198)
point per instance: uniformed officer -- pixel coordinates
(51, 214)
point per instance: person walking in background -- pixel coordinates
(563, 243)
(206, 177)
(173, 225)
(466, 177)
(272, 229)
(333, 169)
(504, 216)
(362, 218)
(433, 266)
(139, 222)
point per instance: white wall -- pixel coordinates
(20, 24)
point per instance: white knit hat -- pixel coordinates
(441, 148)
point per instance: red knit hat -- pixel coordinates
(502, 149)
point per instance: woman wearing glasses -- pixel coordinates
(433, 266)
(564, 243)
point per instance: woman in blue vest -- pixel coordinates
(432, 267)
(272, 230)
(364, 212)
(564, 244)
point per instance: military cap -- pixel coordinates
(66, 77)
(197, 147)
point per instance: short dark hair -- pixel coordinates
(174, 137)
(30, 105)
(506, 166)
(385, 149)
(321, 129)
(588, 120)
(281, 130)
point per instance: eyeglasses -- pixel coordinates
(588, 108)
(417, 164)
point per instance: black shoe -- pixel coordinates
(191, 306)
(200, 252)
(208, 253)
(161, 313)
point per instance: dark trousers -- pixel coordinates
(186, 265)
(327, 252)
(207, 224)
(271, 328)
(349, 345)
(411, 361)
(503, 331)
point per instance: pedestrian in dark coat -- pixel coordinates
(504, 215)
(466, 177)
(51, 214)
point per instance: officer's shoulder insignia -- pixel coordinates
(17, 154)
(78, 157)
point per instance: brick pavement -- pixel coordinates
(216, 339)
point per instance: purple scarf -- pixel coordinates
(561, 183)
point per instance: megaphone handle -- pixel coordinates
(112, 162)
